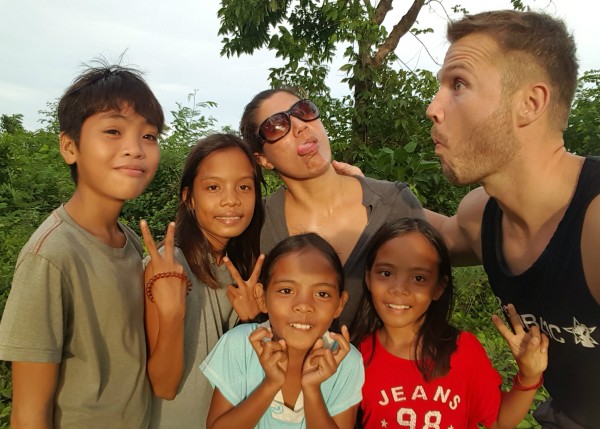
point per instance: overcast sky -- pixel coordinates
(44, 43)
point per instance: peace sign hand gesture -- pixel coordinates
(241, 294)
(530, 349)
(168, 293)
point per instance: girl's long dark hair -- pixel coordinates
(436, 338)
(242, 250)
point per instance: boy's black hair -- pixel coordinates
(436, 339)
(101, 88)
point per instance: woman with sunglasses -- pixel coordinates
(286, 135)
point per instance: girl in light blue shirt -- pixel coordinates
(289, 372)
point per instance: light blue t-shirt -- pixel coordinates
(234, 368)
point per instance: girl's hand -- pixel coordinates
(241, 295)
(321, 363)
(530, 349)
(272, 355)
(169, 293)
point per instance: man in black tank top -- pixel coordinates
(506, 88)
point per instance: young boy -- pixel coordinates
(73, 323)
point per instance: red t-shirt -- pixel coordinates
(396, 396)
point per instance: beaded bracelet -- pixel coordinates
(519, 386)
(155, 277)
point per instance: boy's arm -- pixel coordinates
(33, 390)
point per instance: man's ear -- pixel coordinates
(259, 295)
(533, 101)
(441, 287)
(263, 161)
(341, 304)
(68, 148)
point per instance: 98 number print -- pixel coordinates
(407, 418)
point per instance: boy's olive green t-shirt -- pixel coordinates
(78, 302)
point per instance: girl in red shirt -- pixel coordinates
(421, 372)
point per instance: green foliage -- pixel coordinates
(50, 118)
(474, 306)
(189, 124)
(272, 182)
(5, 395)
(248, 23)
(582, 135)
(11, 124)
(518, 5)
(33, 181)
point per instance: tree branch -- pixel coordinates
(399, 30)
(383, 8)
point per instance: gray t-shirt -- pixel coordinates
(208, 315)
(78, 302)
(385, 201)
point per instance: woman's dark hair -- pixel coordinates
(242, 250)
(436, 339)
(297, 243)
(248, 123)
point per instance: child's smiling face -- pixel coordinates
(302, 297)
(116, 156)
(403, 280)
(223, 196)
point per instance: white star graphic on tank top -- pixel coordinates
(582, 334)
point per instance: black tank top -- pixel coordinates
(553, 294)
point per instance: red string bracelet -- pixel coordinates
(517, 384)
(155, 277)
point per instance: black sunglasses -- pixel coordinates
(277, 126)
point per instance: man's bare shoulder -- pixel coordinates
(470, 210)
(462, 232)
